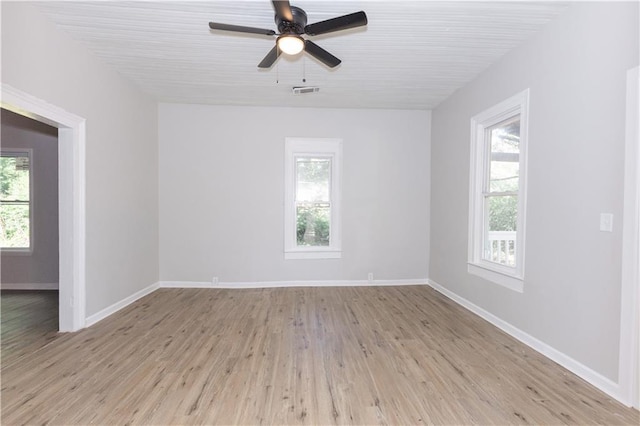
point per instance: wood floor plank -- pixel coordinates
(349, 355)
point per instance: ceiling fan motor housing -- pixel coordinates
(292, 27)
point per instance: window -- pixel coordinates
(15, 200)
(312, 198)
(498, 192)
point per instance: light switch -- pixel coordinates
(606, 222)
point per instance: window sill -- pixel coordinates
(313, 254)
(509, 281)
(7, 252)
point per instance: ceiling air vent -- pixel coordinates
(299, 90)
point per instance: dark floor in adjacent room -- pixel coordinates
(29, 320)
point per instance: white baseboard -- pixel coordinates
(109, 310)
(187, 284)
(274, 284)
(596, 379)
(29, 286)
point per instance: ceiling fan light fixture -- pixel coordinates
(290, 44)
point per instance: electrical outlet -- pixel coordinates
(214, 281)
(370, 277)
(606, 222)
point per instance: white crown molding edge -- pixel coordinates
(596, 379)
(110, 310)
(301, 283)
(29, 286)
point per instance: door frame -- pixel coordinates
(71, 199)
(629, 361)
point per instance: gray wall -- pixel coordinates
(222, 193)
(576, 70)
(121, 149)
(41, 265)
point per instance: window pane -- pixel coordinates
(500, 237)
(14, 226)
(504, 165)
(14, 201)
(14, 178)
(313, 177)
(503, 212)
(313, 224)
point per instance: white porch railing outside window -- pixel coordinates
(502, 247)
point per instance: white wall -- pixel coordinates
(221, 193)
(121, 149)
(576, 70)
(39, 269)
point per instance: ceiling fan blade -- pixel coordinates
(240, 29)
(353, 20)
(320, 54)
(283, 9)
(270, 58)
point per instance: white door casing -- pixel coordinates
(629, 361)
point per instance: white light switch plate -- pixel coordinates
(606, 222)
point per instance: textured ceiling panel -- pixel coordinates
(412, 55)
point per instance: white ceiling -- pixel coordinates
(412, 54)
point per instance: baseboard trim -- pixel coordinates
(29, 286)
(275, 284)
(110, 310)
(596, 379)
(187, 284)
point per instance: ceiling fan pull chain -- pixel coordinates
(304, 69)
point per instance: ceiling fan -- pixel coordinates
(292, 24)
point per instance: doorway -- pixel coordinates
(71, 199)
(30, 242)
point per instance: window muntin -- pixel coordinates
(498, 192)
(15, 200)
(312, 198)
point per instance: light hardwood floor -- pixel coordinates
(364, 355)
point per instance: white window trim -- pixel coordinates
(295, 147)
(512, 278)
(23, 251)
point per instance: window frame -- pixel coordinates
(510, 277)
(313, 148)
(24, 251)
